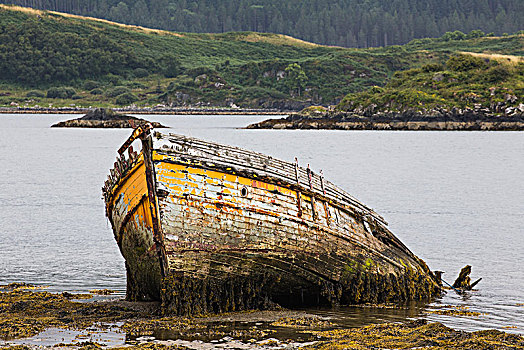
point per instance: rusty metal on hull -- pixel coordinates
(231, 229)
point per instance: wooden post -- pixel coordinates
(299, 194)
(463, 281)
(147, 150)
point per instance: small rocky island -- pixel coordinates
(104, 118)
(436, 119)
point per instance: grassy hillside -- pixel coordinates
(348, 23)
(477, 81)
(49, 58)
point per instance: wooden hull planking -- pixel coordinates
(132, 224)
(237, 230)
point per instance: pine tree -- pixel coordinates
(335, 22)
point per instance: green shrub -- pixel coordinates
(116, 91)
(497, 73)
(113, 79)
(136, 85)
(404, 74)
(195, 72)
(397, 48)
(140, 73)
(171, 66)
(77, 97)
(126, 98)
(421, 41)
(69, 91)
(376, 89)
(410, 98)
(475, 34)
(35, 93)
(432, 67)
(96, 91)
(90, 85)
(182, 82)
(4, 100)
(61, 92)
(462, 63)
(456, 35)
(260, 92)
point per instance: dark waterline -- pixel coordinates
(454, 198)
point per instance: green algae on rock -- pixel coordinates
(452, 312)
(306, 322)
(101, 291)
(416, 334)
(88, 345)
(20, 286)
(25, 313)
(141, 327)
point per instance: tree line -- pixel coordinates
(31, 54)
(350, 23)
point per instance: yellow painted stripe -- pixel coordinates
(179, 171)
(132, 187)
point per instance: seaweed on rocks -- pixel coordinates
(415, 334)
(182, 295)
(24, 313)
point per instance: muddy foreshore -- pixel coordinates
(24, 313)
(455, 119)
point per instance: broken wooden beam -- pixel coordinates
(463, 281)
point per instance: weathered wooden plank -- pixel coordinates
(262, 221)
(269, 166)
(231, 218)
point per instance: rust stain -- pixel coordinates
(189, 212)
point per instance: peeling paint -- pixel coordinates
(235, 221)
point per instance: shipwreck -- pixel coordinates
(205, 227)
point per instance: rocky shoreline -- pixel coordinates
(26, 312)
(454, 119)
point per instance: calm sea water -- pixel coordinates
(454, 198)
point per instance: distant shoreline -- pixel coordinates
(159, 111)
(397, 126)
(447, 121)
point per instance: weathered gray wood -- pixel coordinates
(229, 217)
(269, 165)
(475, 283)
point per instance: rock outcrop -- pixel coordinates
(105, 118)
(435, 119)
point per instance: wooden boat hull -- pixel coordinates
(212, 228)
